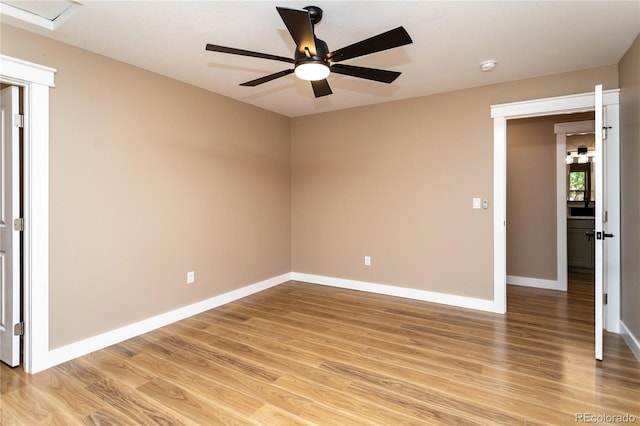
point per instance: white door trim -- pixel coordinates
(533, 108)
(36, 81)
(562, 267)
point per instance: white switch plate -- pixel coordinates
(367, 261)
(477, 203)
(191, 277)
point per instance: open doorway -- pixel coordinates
(607, 271)
(35, 82)
(580, 200)
(542, 241)
(550, 210)
(11, 225)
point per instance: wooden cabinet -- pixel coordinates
(580, 250)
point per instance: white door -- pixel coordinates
(9, 239)
(600, 222)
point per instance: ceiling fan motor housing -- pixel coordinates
(319, 57)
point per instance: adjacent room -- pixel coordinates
(440, 229)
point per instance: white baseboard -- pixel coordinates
(632, 341)
(410, 293)
(83, 347)
(536, 282)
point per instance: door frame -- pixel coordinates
(582, 102)
(36, 80)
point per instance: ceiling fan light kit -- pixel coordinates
(312, 71)
(312, 59)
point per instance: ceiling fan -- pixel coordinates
(312, 59)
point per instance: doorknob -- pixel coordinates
(589, 235)
(603, 235)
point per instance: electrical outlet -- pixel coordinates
(367, 260)
(191, 277)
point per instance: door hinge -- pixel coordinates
(606, 298)
(18, 120)
(605, 131)
(18, 329)
(18, 224)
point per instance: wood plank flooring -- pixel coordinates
(314, 355)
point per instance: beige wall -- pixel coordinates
(531, 195)
(395, 181)
(531, 198)
(629, 69)
(152, 178)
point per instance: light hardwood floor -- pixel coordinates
(308, 354)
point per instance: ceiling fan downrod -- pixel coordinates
(315, 14)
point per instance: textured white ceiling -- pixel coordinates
(450, 40)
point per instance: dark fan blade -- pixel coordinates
(267, 78)
(215, 48)
(393, 38)
(375, 74)
(321, 88)
(300, 27)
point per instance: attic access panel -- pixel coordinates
(45, 14)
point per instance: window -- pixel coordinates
(579, 182)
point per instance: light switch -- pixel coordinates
(477, 203)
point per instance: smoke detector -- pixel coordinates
(489, 65)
